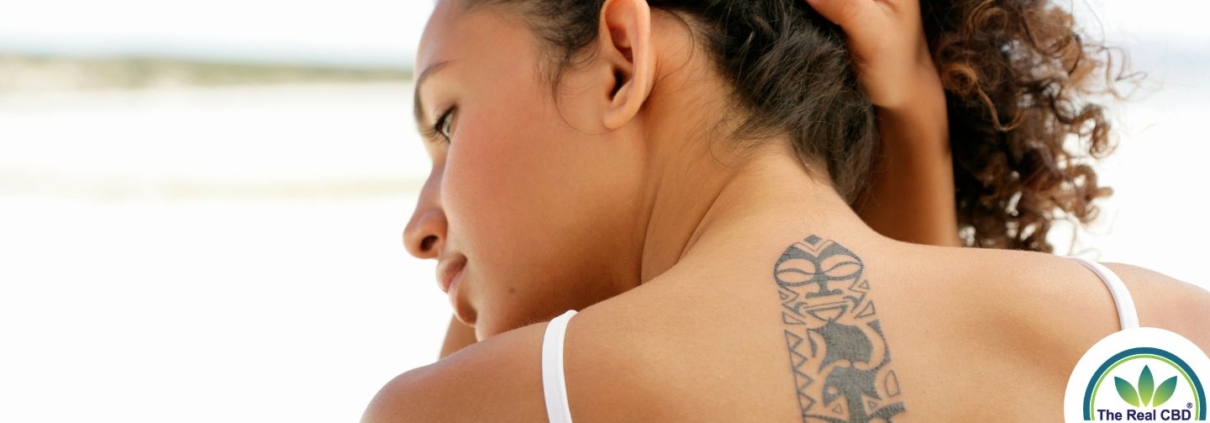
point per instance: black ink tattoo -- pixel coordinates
(837, 349)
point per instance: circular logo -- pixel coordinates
(1142, 374)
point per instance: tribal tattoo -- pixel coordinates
(838, 354)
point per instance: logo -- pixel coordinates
(1144, 398)
(1143, 374)
(1141, 395)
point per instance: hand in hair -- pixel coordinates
(910, 196)
(889, 47)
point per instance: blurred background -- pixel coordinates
(201, 202)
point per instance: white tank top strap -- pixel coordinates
(554, 386)
(1127, 315)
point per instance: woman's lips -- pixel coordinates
(449, 276)
(453, 294)
(446, 272)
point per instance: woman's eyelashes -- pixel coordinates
(444, 126)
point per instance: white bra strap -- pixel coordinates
(1127, 315)
(554, 385)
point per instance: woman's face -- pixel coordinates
(531, 207)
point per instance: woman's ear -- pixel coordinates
(625, 44)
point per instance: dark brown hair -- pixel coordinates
(1015, 74)
(789, 70)
(1020, 81)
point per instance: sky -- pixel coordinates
(346, 32)
(381, 32)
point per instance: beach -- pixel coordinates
(233, 253)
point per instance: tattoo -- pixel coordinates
(838, 354)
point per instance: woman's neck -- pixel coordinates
(700, 184)
(767, 188)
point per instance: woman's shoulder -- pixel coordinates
(497, 379)
(1168, 303)
(1021, 317)
(1055, 303)
(501, 379)
(1063, 294)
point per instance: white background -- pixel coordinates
(234, 254)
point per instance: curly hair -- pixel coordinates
(1020, 80)
(1017, 77)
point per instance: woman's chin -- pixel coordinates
(465, 314)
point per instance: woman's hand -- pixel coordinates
(888, 43)
(911, 190)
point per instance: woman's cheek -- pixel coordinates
(470, 182)
(491, 179)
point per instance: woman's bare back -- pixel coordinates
(902, 333)
(749, 333)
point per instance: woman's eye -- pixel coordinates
(444, 126)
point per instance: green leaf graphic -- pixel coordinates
(1165, 391)
(1146, 386)
(1126, 391)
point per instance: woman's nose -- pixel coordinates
(426, 231)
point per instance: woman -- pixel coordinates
(1013, 179)
(910, 198)
(681, 173)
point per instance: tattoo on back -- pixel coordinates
(838, 354)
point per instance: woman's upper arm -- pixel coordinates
(498, 380)
(1167, 303)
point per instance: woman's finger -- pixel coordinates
(845, 13)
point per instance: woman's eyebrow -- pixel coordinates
(417, 104)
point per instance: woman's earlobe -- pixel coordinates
(626, 36)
